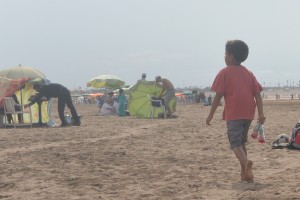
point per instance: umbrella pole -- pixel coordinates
(21, 94)
(21, 103)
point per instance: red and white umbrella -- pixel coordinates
(9, 86)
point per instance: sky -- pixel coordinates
(72, 41)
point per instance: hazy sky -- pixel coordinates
(72, 41)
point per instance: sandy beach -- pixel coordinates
(119, 158)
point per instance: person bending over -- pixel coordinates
(167, 93)
(55, 90)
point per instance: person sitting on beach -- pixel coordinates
(241, 92)
(167, 93)
(17, 108)
(108, 108)
(110, 96)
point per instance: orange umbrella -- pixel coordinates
(96, 94)
(179, 94)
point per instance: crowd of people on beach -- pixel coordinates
(113, 105)
(235, 83)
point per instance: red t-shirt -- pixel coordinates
(238, 86)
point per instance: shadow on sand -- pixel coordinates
(244, 186)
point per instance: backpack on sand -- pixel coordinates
(281, 141)
(294, 142)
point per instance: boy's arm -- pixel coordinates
(213, 108)
(259, 104)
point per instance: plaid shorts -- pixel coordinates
(237, 131)
(168, 96)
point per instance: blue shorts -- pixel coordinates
(237, 131)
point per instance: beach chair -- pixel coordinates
(1, 120)
(10, 109)
(156, 103)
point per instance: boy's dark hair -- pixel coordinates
(238, 49)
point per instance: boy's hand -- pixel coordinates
(261, 119)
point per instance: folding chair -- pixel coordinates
(1, 120)
(10, 109)
(156, 103)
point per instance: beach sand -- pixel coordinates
(127, 158)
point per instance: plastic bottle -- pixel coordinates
(255, 131)
(261, 134)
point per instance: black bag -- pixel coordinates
(156, 102)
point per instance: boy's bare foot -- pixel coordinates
(248, 171)
(243, 174)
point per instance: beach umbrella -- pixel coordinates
(106, 81)
(139, 104)
(179, 94)
(17, 72)
(187, 93)
(8, 87)
(96, 94)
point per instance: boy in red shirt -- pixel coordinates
(241, 92)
